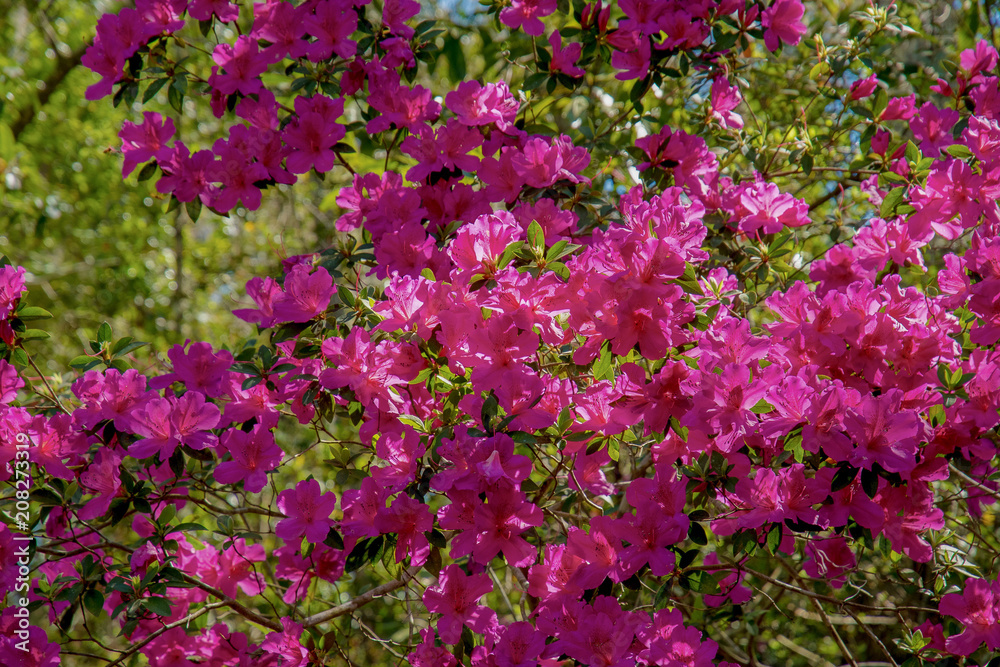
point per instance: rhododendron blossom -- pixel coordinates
(624, 331)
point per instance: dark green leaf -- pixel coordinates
(153, 88)
(159, 606)
(33, 313)
(93, 601)
(697, 534)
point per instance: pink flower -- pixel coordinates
(477, 104)
(724, 98)
(314, 134)
(101, 477)
(830, 560)
(233, 569)
(409, 520)
(520, 645)
(761, 206)
(306, 296)
(526, 14)
(862, 88)
(202, 10)
(604, 634)
(454, 597)
(145, 141)
(286, 645)
(932, 127)
(499, 524)
(564, 59)
(331, 25)
(782, 22)
(243, 64)
(198, 368)
(978, 609)
(11, 289)
(253, 454)
(308, 512)
(884, 433)
(264, 292)
(428, 655)
(733, 592)
(10, 382)
(281, 24)
(983, 58)
(399, 105)
(324, 563)
(395, 14)
(631, 55)
(675, 643)
(478, 246)
(187, 176)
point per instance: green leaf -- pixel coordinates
(559, 250)
(602, 367)
(153, 88)
(891, 202)
(187, 526)
(533, 81)
(437, 539)
(689, 280)
(536, 237)
(33, 313)
(251, 382)
(774, 537)
(159, 606)
(19, 358)
(744, 541)
(84, 362)
(131, 346)
(959, 151)
(807, 162)
(120, 365)
(193, 208)
(455, 54)
(869, 482)
(913, 153)
(662, 595)
(845, 475)
(175, 96)
(176, 462)
(489, 411)
(881, 101)
(509, 253)
(697, 534)
(147, 171)
(34, 334)
(104, 333)
(93, 601)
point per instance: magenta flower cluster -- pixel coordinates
(834, 420)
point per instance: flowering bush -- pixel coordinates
(568, 420)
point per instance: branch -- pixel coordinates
(64, 65)
(988, 491)
(362, 599)
(234, 605)
(874, 638)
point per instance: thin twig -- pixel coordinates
(176, 624)
(361, 600)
